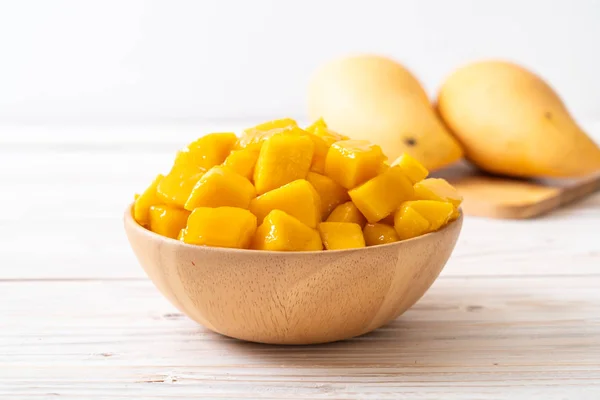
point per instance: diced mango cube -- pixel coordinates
(220, 227)
(341, 235)
(282, 232)
(319, 128)
(176, 187)
(330, 192)
(220, 187)
(167, 220)
(352, 162)
(242, 161)
(438, 213)
(319, 155)
(455, 214)
(413, 169)
(254, 137)
(408, 223)
(207, 151)
(437, 189)
(347, 212)
(389, 220)
(379, 234)
(298, 198)
(380, 196)
(143, 202)
(283, 158)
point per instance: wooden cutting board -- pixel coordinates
(500, 197)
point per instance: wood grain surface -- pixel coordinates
(514, 315)
(505, 198)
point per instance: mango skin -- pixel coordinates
(374, 98)
(511, 122)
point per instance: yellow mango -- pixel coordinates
(283, 158)
(389, 220)
(380, 196)
(319, 128)
(220, 227)
(414, 170)
(207, 151)
(408, 223)
(242, 161)
(352, 162)
(379, 234)
(167, 220)
(175, 188)
(437, 189)
(220, 187)
(341, 235)
(254, 137)
(143, 202)
(330, 193)
(181, 234)
(319, 155)
(455, 214)
(438, 213)
(298, 198)
(282, 232)
(347, 212)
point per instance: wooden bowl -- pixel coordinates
(292, 297)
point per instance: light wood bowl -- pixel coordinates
(292, 297)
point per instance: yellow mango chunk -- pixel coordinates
(282, 232)
(143, 202)
(380, 196)
(455, 214)
(389, 220)
(220, 187)
(341, 235)
(167, 220)
(175, 188)
(242, 161)
(319, 128)
(347, 212)
(438, 213)
(298, 199)
(437, 189)
(330, 192)
(319, 155)
(220, 227)
(207, 151)
(283, 158)
(413, 169)
(408, 223)
(254, 137)
(352, 162)
(379, 234)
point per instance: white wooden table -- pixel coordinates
(515, 314)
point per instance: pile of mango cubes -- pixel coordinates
(279, 187)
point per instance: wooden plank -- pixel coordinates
(467, 338)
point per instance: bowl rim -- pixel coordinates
(129, 220)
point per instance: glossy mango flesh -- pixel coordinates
(347, 212)
(282, 232)
(341, 235)
(167, 220)
(272, 188)
(352, 162)
(220, 227)
(379, 234)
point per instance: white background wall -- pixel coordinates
(156, 61)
